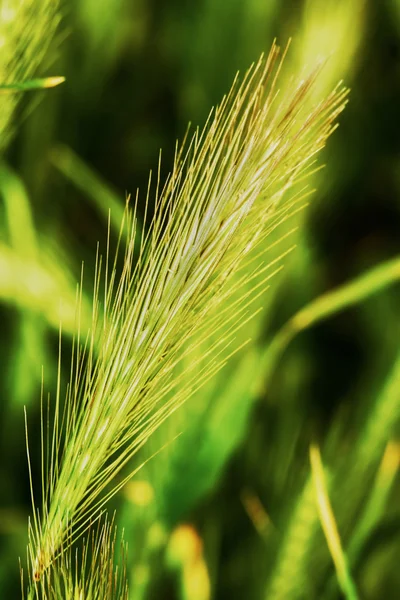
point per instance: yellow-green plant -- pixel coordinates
(190, 300)
(192, 285)
(97, 570)
(26, 29)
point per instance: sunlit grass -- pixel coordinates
(193, 355)
(226, 193)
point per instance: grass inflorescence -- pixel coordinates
(268, 458)
(186, 284)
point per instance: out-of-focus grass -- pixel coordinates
(105, 200)
(142, 71)
(23, 48)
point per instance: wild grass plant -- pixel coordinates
(172, 354)
(27, 27)
(177, 295)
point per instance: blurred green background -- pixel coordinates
(228, 511)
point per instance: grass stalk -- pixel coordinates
(329, 525)
(228, 189)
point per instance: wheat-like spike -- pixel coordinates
(97, 571)
(227, 191)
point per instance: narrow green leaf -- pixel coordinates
(33, 84)
(329, 525)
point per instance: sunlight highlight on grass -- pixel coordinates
(357, 290)
(33, 84)
(23, 48)
(329, 525)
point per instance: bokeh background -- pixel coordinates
(235, 518)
